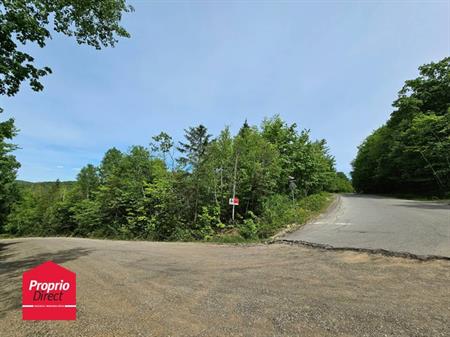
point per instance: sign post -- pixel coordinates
(234, 186)
(235, 202)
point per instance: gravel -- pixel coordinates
(195, 289)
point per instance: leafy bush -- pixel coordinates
(341, 184)
(279, 211)
(249, 228)
(135, 195)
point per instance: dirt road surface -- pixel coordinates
(194, 289)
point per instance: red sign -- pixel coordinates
(233, 201)
(49, 293)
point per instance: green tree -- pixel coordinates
(410, 153)
(134, 195)
(193, 150)
(25, 216)
(88, 180)
(110, 163)
(95, 23)
(163, 146)
(192, 155)
(341, 184)
(8, 170)
(92, 22)
(305, 163)
(258, 169)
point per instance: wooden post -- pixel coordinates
(234, 183)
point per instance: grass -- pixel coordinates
(280, 214)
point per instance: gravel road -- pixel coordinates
(194, 289)
(373, 222)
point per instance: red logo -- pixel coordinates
(49, 293)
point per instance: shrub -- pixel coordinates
(249, 228)
(279, 211)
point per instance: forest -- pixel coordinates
(169, 191)
(165, 190)
(410, 154)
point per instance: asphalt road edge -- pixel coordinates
(373, 251)
(294, 227)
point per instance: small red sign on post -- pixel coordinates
(49, 293)
(233, 201)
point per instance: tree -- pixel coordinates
(304, 164)
(410, 153)
(8, 170)
(25, 216)
(92, 22)
(258, 169)
(162, 145)
(88, 180)
(110, 164)
(133, 195)
(192, 155)
(341, 184)
(193, 150)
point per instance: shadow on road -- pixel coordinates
(363, 196)
(11, 270)
(406, 203)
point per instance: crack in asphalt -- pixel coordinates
(374, 251)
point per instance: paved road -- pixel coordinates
(193, 289)
(373, 222)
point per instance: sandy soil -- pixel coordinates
(194, 289)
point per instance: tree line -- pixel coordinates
(29, 22)
(410, 154)
(169, 191)
(163, 191)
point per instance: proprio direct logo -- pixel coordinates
(49, 293)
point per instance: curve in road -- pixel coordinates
(380, 223)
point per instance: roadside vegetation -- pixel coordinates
(410, 154)
(168, 192)
(30, 23)
(163, 191)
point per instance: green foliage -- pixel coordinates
(88, 181)
(25, 217)
(8, 170)
(410, 154)
(164, 205)
(249, 227)
(197, 140)
(92, 22)
(341, 184)
(308, 164)
(86, 215)
(133, 195)
(39, 210)
(278, 211)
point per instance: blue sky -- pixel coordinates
(332, 67)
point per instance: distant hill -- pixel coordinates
(45, 183)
